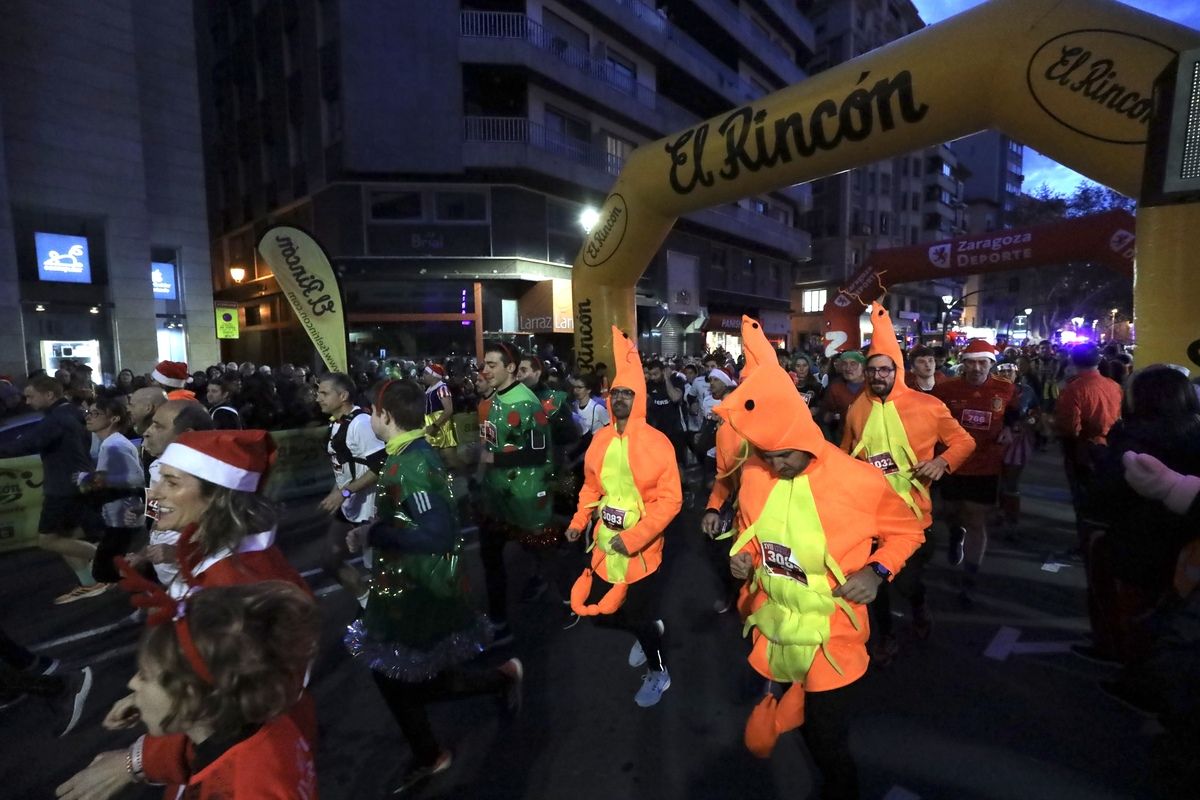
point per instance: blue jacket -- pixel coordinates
(64, 444)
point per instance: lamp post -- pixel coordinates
(1112, 324)
(237, 274)
(950, 304)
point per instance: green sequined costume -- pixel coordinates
(516, 486)
(418, 620)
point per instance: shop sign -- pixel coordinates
(546, 308)
(162, 279)
(227, 321)
(62, 258)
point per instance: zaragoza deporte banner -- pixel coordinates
(307, 280)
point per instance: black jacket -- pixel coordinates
(64, 444)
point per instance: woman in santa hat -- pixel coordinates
(208, 490)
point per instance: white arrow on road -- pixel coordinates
(1005, 643)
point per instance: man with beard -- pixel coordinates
(984, 406)
(896, 430)
(631, 489)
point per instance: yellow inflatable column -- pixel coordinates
(1166, 294)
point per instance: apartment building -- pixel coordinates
(103, 234)
(447, 156)
(912, 198)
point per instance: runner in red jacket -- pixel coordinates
(983, 405)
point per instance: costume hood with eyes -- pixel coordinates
(900, 431)
(804, 536)
(631, 487)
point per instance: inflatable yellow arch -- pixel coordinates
(1071, 78)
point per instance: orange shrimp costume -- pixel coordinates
(631, 482)
(902, 430)
(732, 450)
(804, 535)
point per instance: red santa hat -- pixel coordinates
(979, 348)
(435, 369)
(234, 459)
(171, 373)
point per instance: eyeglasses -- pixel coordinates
(880, 371)
(93, 412)
(621, 393)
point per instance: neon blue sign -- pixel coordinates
(62, 258)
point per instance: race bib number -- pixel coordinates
(613, 518)
(884, 463)
(151, 509)
(778, 561)
(979, 420)
(487, 434)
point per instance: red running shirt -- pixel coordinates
(980, 410)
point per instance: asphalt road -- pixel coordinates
(990, 707)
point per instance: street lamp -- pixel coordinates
(1112, 325)
(238, 274)
(588, 218)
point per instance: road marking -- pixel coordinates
(112, 655)
(900, 793)
(1005, 643)
(124, 622)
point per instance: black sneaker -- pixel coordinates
(78, 687)
(417, 775)
(534, 589)
(44, 665)
(954, 555)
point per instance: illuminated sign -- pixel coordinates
(162, 278)
(62, 258)
(227, 321)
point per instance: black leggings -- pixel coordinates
(114, 542)
(407, 702)
(638, 614)
(908, 584)
(491, 551)
(826, 732)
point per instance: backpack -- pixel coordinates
(338, 444)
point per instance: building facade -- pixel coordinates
(447, 155)
(103, 230)
(912, 198)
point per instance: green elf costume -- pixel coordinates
(418, 621)
(517, 487)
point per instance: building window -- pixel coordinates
(616, 152)
(567, 133)
(622, 73)
(759, 206)
(564, 34)
(916, 201)
(396, 205)
(885, 183)
(813, 300)
(885, 222)
(916, 167)
(460, 206)
(947, 170)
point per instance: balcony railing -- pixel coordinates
(728, 79)
(505, 25)
(519, 130)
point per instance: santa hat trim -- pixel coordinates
(178, 383)
(210, 469)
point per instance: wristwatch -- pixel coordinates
(879, 569)
(346, 493)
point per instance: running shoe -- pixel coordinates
(637, 656)
(515, 672)
(44, 665)
(78, 687)
(570, 621)
(82, 593)
(654, 683)
(417, 775)
(723, 605)
(955, 554)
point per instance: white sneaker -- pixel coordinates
(654, 683)
(637, 656)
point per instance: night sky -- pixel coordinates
(1038, 168)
